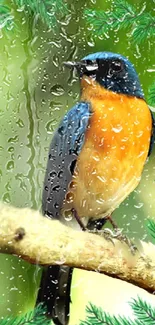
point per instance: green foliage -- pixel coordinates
(151, 227)
(151, 95)
(96, 316)
(6, 18)
(35, 317)
(144, 314)
(48, 11)
(122, 15)
(143, 311)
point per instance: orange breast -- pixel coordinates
(116, 145)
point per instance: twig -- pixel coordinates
(39, 240)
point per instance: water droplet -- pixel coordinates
(14, 289)
(96, 157)
(72, 184)
(69, 197)
(57, 90)
(68, 216)
(20, 123)
(56, 188)
(139, 205)
(125, 139)
(101, 178)
(56, 61)
(10, 165)
(13, 139)
(8, 187)
(50, 126)
(43, 88)
(60, 174)
(117, 129)
(53, 174)
(134, 217)
(140, 133)
(141, 154)
(10, 149)
(6, 198)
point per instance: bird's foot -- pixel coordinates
(118, 233)
(107, 233)
(111, 235)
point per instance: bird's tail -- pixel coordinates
(54, 292)
(55, 286)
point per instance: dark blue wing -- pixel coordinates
(152, 135)
(64, 150)
(65, 147)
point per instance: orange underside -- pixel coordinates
(116, 145)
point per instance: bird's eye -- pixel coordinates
(115, 67)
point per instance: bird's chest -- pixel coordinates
(113, 155)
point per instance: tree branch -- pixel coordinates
(39, 240)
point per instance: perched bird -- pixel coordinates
(96, 157)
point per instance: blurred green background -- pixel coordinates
(35, 92)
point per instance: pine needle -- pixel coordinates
(122, 15)
(35, 317)
(47, 10)
(6, 18)
(144, 312)
(144, 29)
(151, 227)
(151, 95)
(96, 316)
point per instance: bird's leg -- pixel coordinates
(78, 220)
(94, 226)
(117, 234)
(106, 233)
(110, 219)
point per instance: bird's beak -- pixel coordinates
(73, 64)
(70, 64)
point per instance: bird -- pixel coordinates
(96, 158)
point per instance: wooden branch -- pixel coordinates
(39, 240)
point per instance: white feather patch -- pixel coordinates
(92, 67)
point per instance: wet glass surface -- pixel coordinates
(36, 90)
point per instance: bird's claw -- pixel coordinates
(110, 235)
(107, 233)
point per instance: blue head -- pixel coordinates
(112, 71)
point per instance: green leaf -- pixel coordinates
(124, 7)
(145, 28)
(144, 314)
(6, 18)
(47, 10)
(151, 227)
(143, 311)
(151, 95)
(122, 15)
(35, 317)
(98, 19)
(126, 13)
(96, 316)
